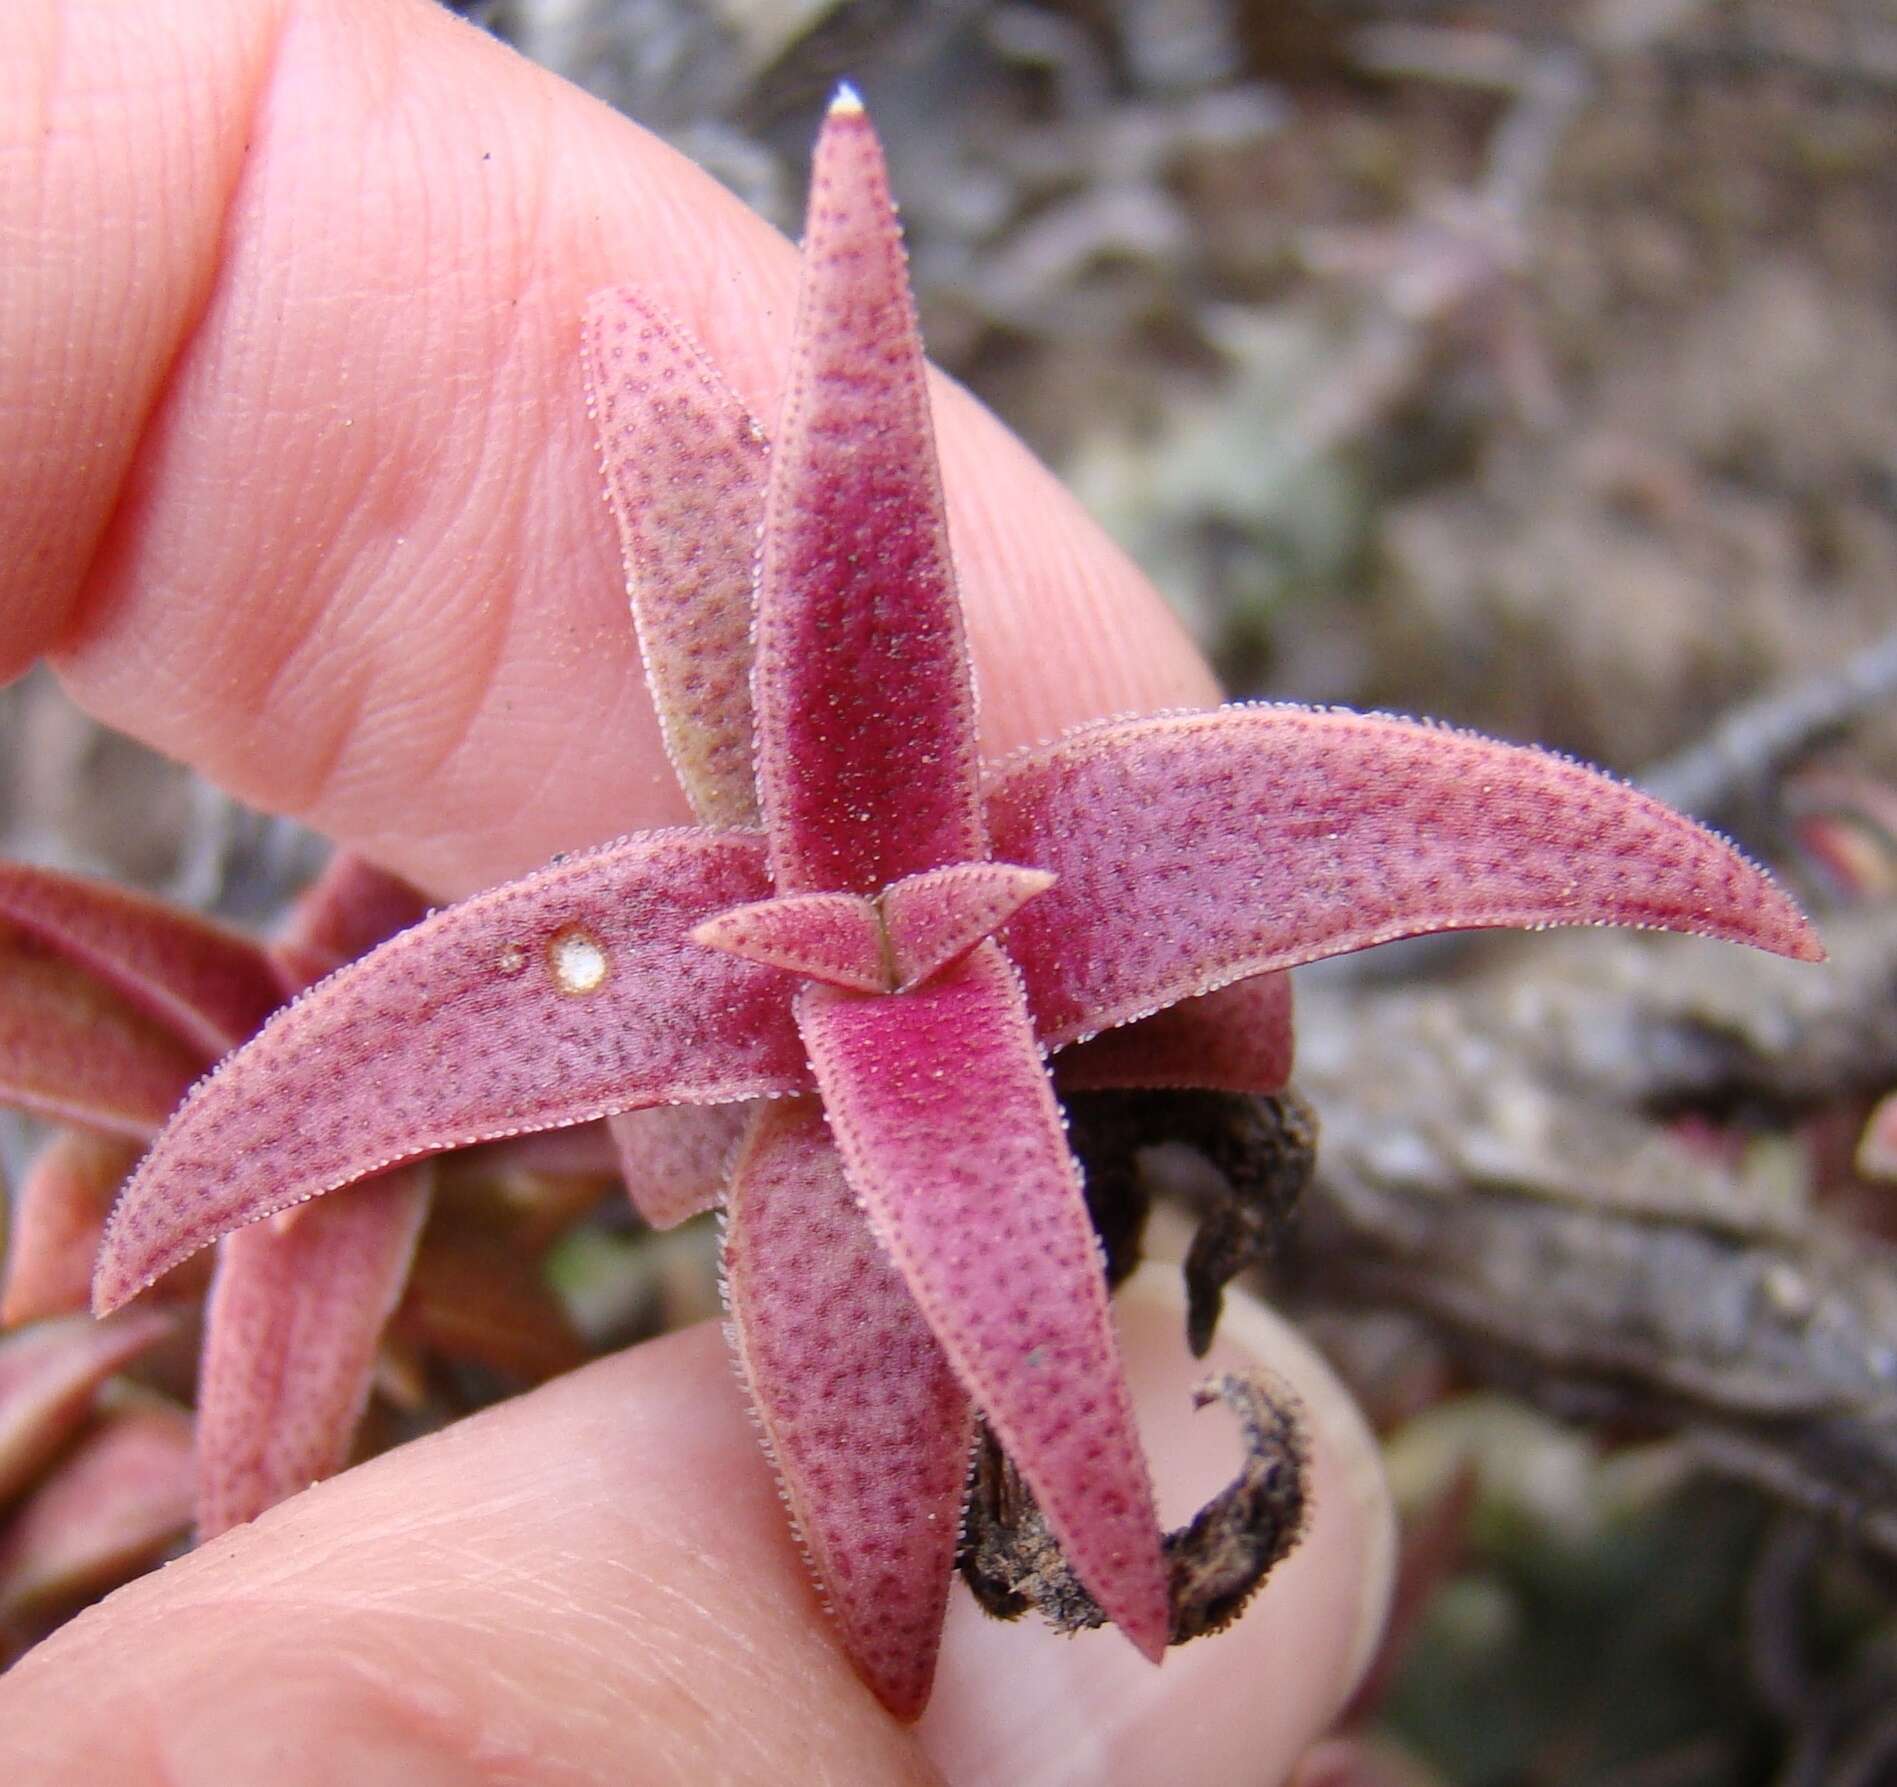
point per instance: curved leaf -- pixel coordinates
(862, 1416)
(59, 1211)
(209, 987)
(72, 1050)
(49, 1374)
(295, 1315)
(685, 465)
(559, 998)
(1197, 849)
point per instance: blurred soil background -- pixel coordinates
(1529, 365)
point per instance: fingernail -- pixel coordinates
(1017, 1702)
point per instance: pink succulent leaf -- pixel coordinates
(685, 465)
(933, 918)
(209, 987)
(59, 1211)
(869, 1430)
(104, 1514)
(676, 1158)
(832, 937)
(344, 913)
(943, 1113)
(1196, 849)
(295, 1314)
(49, 1374)
(71, 1049)
(297, 1307)
(554, 1000)
(1238, 1039)
(1877, 1148)
(865, 706)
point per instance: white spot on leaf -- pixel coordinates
(579, 962)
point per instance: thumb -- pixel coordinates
(601, 1571)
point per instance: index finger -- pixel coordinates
(299, 450)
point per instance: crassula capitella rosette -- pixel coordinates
(845, 1004)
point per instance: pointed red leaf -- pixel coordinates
(1196, 849)
(554, 1000)
(865, 707)
(208, 986)
(104, 1514)
(59, 1211)
(1238, 1039)
(72, 1050)
(935, 917)
(864, 1419)
(834, 937)
(676, 1158)
(48, 1376)
(954, 1145)
(685, 465)
(295, 1315)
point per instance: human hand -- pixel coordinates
(308, 498)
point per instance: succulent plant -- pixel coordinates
(877, 960)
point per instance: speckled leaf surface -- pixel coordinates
(684, 464)
(295, 1314)
(557, 999)
(209, 987)
(297, 1307)
(868, 1428)
(820, 936)
(933, 918)
(1195, 849)
(953, 1143)
(865, 705)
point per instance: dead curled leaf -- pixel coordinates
(1214, 1564)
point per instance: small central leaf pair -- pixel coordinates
(883, 945)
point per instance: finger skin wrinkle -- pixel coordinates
(374, 453)
(124, 141)
(616, 1599)
(361, 570)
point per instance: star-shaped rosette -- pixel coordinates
(845, 1003)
